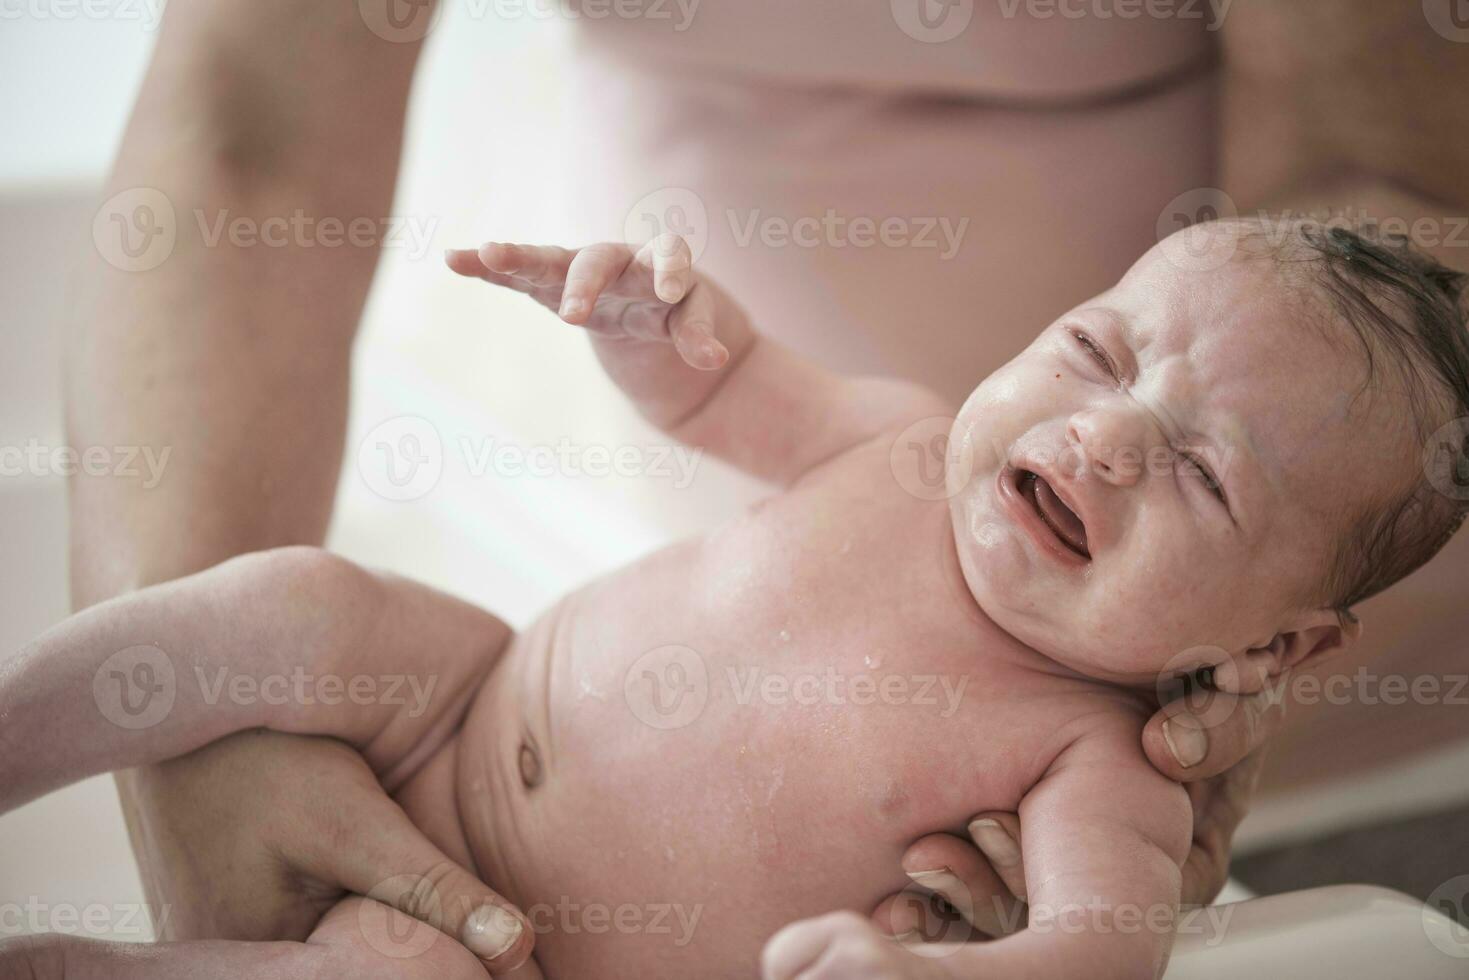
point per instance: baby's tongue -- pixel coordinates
(1066, 523)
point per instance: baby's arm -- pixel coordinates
(687, 356)
(1105, 837)
(295, 640)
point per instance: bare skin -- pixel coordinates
(1050, 633)
(257, 425)
(249, 387)
(1124, 372)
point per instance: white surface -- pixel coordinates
(1433, 782)
(1344, 933)
(66, 86)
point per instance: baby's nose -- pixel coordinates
(1111, 442)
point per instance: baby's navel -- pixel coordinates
(530, 766)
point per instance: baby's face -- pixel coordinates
(1164, 469)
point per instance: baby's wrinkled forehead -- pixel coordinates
(1246, 351)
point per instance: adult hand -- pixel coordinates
(358, 937)
(256, 836)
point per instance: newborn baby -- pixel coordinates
(1193, 475)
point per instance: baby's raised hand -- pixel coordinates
(618, 294)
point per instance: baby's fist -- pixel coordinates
(843, 946)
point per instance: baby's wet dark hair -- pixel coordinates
(1407, 312)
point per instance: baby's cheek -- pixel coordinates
(1141, 617)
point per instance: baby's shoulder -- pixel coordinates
(1110, 726)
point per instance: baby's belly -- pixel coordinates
(637, 847)
(660, 812)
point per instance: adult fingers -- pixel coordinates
(953, 869)
(367, 938)
(997, 835)
(1201, 736)
(378, 852)
(1219, 805)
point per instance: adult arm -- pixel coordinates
(233, 359)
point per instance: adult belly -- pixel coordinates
(917, 221)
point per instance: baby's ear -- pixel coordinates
(1314, 636)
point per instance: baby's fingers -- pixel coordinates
(672, 265)
(539, 265)
(692, 329)
(592, 270)
(467, 262)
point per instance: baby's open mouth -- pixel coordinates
(1062, 521)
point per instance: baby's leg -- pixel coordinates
(295, 640)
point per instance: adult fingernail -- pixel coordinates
(572, 307)
(490, 931)
(938, 880)
(1186, 740)
(995, 841)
